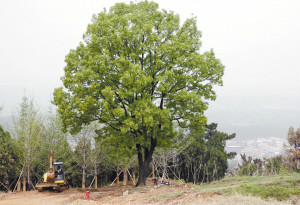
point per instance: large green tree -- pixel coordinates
(137, 71)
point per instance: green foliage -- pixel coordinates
(28, 129)
(216, 155)
(8, 157)
(248, 170)
(256, 166)
(55, 139)
(31, 141)
(136, 72)
(274, 164)
(35, 138)
(52, 139)
(205, 159)
(283, 171)
(280, 187)
(281, 191)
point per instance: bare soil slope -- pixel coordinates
(176, 193)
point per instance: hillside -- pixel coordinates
(279, 189)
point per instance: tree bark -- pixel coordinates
(28, 178)
(19, 185)
(95, 175)
(144, 161)
(96, 182)
(164, 168)
(118, 179)
(194, 174)
(24, 183)
(153, 175)
(125, 176)
(133, 176)
(83, 178)
(143, 172)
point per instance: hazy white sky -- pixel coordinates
(258, 41)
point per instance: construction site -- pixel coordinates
(54, 189)
(175, 193)
(121, 102)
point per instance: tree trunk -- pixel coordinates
(118, 179)
(144, 161)
(28, 178)
(194, 175)
(125, 176)
(95, 175)
(188, 173)
(143, 173)
(83, 178)
(96, 182)
(165, 164)
(133, 176)
(19, 185)
(24, 183)
(153, 175)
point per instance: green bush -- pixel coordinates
(274, 164)
(248, 170)
(283, 171)
(278, 191)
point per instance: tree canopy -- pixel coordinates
(8, 156)
(205, 159)
(137, 71)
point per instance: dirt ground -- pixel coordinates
(176, 193)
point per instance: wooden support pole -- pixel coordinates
(7, 188)
(115, 179)
(19, 181)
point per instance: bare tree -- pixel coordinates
(293, 148)
(165, 160)
(97, 157)
(83, 149)
(28, 129)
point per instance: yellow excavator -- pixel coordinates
(55, 178)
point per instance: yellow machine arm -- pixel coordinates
(50, 176)
(51, 162)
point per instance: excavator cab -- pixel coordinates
(59, 172)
